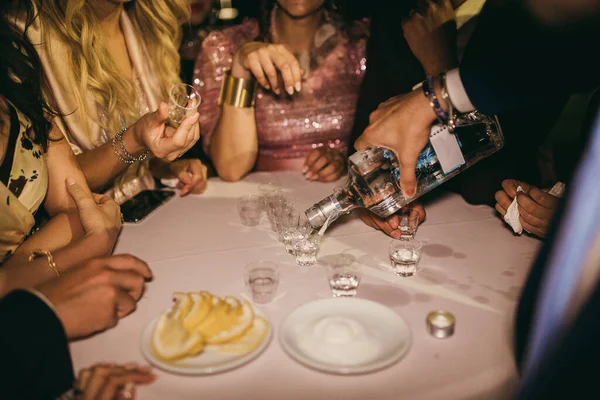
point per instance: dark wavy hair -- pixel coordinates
(21, 70)
(335, 8)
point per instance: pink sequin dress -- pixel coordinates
(289, 127)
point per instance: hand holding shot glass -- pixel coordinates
(183, 102)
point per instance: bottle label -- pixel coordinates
(446, 148)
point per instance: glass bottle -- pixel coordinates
(373, 173)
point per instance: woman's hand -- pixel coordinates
(266, 62)
(391, 224)
(431, 36)
(111, 381)
(536, 207)
(165, 142)
(324, 164)
(99, 214)
(191, 173)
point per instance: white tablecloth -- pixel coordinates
(472, 265)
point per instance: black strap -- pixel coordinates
(7, 164)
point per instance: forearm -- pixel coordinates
(20, 273)
(101, 165)
(57, 233)
(234, 143)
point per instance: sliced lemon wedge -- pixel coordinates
(183, 305)
(202, 304)
(250, 340)
(171, 341)
(232, 326)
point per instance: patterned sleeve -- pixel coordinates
(212, 63)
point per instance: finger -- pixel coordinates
(361, 143)
(267, 65)
(510, 187)
(177, 144)
(159, 117)
(311, 158)
(393, 221)
(294, 66)
(330, 169)
(503, 199)
(283, 65)
(532, 229)
(500, 209)
(544, 199)
(115, 383)
(532, 219)
(82, 198)
(418, 207)
(318, 165)
(384, 226)
(408, 177)
(83, 379)
(532, 207)
(101, 198)
(257, 70)
(96, 381)
(130, 282)
(127, 262)
(126, 304)
(198, 171)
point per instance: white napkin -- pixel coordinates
(558, 189)
(512, 214)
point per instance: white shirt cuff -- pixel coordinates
(457, 93)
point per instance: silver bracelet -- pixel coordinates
(128, 159)
(451, 123)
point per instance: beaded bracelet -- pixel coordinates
(128, 159)
(429, 92)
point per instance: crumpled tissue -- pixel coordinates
(512, 213)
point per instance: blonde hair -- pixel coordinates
(158, 23)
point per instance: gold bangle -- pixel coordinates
(237, 92)
(38, 253)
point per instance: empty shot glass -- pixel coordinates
(305, 250)
(265, 188)
(262, 279)
(405, 256)
(409, 223)
(183, 102)
(343, 277)
(249, 209)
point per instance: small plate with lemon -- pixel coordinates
(204, 334)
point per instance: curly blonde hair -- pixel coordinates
(93, 69)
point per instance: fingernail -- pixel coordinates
(70, 181)
(267, 86)
(304, 169)
(131, 366)
(308, 175)
(290, 90)
(298, 86)
(277, 91)
(395, 234)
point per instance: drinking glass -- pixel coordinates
(343, 277)
(405, 256)
(305, 250)
(249, 209)
(285, 219)
(265, 188)
(183, 101)
(262, 278)
(409, 222)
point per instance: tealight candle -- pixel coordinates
(440, 324)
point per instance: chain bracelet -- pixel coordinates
(142, 156)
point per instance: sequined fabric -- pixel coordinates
(288, 127)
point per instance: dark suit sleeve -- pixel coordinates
(513, 61)
(34, 355)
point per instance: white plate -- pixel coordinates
(390, 331)
(210, 361)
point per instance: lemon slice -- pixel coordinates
(202, 304)
(171, 341)
(183, 305)
(218, 319)
(231, 326)
(250, 341)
